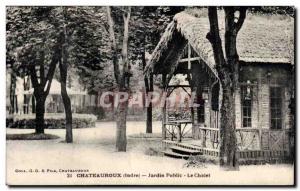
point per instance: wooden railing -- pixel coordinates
(274, 147)
(247, 138)
(209, 136)
(275, 139)
(178, 129)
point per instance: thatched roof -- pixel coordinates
(261, 40)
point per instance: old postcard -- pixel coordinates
(150, 95)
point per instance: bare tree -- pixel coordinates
(227, 69)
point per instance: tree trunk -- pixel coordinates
(228, 147)
(68, 112)
(122, 77)
(149, 88)
(12, 102)
(33, 104)
(24, 96)
(149, 119)
(12, 92)
(41, 85)
(164, 109)
(39, 115)
(121, 140)
(16, 104)
(66, 102)
(149, 108)
(228, 75)
(63, 68)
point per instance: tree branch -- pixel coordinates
(241, 19)
(42, 68)
(54, 61)
(126, 35)
(230, 35)
(113, 45)
(125, 74)
(111, 29)
(33, 77)
(214, 37)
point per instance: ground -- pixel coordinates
(94, 150)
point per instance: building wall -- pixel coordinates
(262, 78)
(258, 136)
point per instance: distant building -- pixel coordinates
(24, 101)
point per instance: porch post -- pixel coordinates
(258, 96)
(179, 132)
(189, 75)
(204, 138)
(164, 79)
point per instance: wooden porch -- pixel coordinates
(270, 145)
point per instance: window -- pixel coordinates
(275, 106)
(246, 104)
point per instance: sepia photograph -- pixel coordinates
(150, 95)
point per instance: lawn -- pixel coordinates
(93, 151)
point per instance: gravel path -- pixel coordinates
(94, 150)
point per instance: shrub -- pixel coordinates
(199, 161)
(52, 121)
(31, 136)
(97, 111)
(9, 120)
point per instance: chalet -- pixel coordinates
(265, 94)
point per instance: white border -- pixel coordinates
(5, 3)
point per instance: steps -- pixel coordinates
(175, 155)
(184, 151)
(180, 152)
